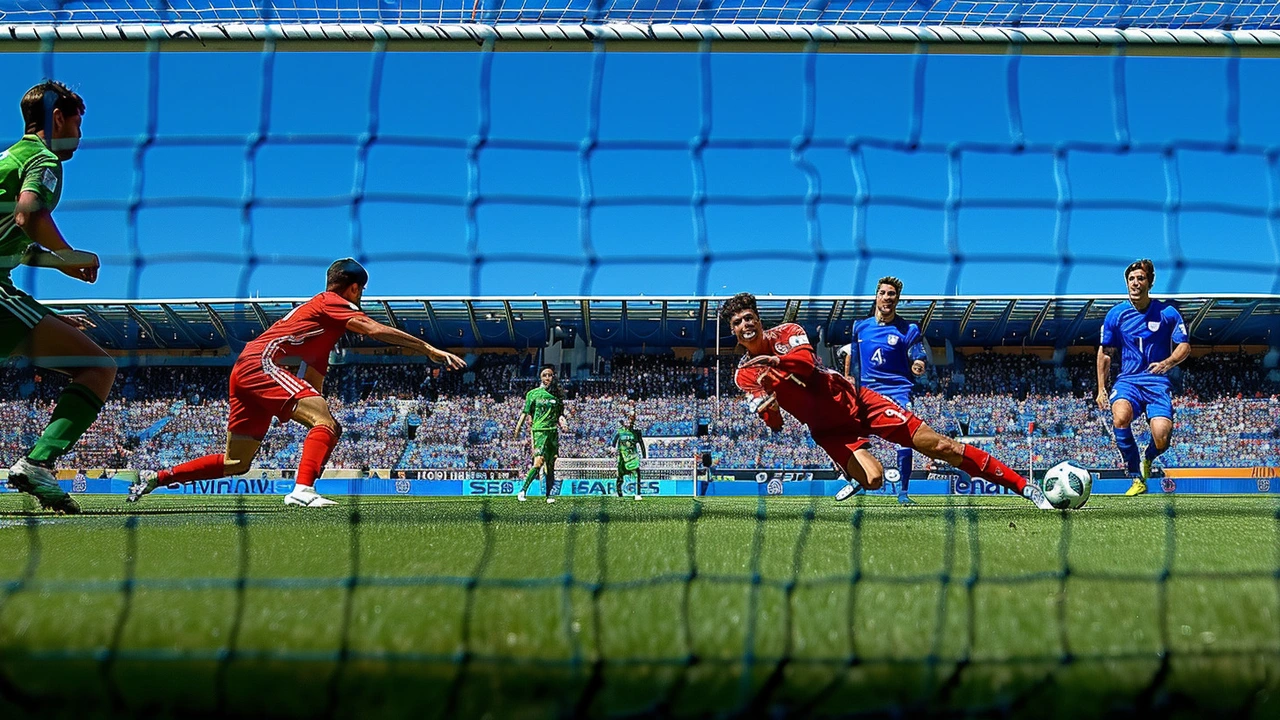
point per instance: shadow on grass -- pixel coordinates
(687, 687)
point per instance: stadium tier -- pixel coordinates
(1014, 375)
(664, 322)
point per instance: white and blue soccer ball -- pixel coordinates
(1067, 486)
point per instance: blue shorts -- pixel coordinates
(1152, 395)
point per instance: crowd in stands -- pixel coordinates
(413, 416)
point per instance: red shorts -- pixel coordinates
(875, 415)
(258, 395)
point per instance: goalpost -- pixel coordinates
(662, 477)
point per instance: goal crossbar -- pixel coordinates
(637, 36)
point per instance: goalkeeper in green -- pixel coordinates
(30, 188)
(629, 443)
(544, 407)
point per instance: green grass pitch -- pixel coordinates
(612, 608)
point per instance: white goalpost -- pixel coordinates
(661, 477)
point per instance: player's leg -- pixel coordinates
(906, 457)
(247, 424)
(976, 462)
(235, 460)
(848, 452)
(863, 468)
(1126, 403)
(551, 451)
(1159, 409)
(622, 478)
(862, 471)
(26, 328)
(322, 438)
(536, 442)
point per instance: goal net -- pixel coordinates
(494, 150)
(660, 477)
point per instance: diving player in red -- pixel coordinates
(781, 372)
(262, 390)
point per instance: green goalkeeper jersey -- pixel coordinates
(26, 166)
(630, 444)
(544, 408)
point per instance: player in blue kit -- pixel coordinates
(1152, 340)
(890, 355)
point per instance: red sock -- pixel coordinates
(209, 467)
(315, 453)
(979, 463)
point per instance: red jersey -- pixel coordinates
(826, 400)
(308, 332)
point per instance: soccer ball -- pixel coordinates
(1067, 486)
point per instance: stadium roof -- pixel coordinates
(457, 322)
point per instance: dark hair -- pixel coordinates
(1144, 265)
(40, 102)
(554, 388)
(736, 304)
(889, 280)
(344, 273)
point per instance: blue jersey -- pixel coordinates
(886, 352)
(1143, 337)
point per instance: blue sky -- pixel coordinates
(193, 232)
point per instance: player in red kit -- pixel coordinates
(781, 372)
(262, 390)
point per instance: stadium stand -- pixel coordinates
(1229, 402)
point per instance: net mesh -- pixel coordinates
(715, 608)
(1188, 15)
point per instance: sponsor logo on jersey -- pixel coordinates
(893, 339)
(799, 339)
(1153, 325)
(781, 348)
(49, 179)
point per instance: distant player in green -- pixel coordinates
(544, 405)
(30, 187)
(629, 443)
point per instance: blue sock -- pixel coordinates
(904, 468)
(1128, 450)
(1154, 452)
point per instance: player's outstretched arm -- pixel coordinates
(367, 326)
(37, 222)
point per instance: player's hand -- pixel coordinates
(81, 265)
(449, 360)
(1102, 401)
(1160, 368)
(917, 367)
